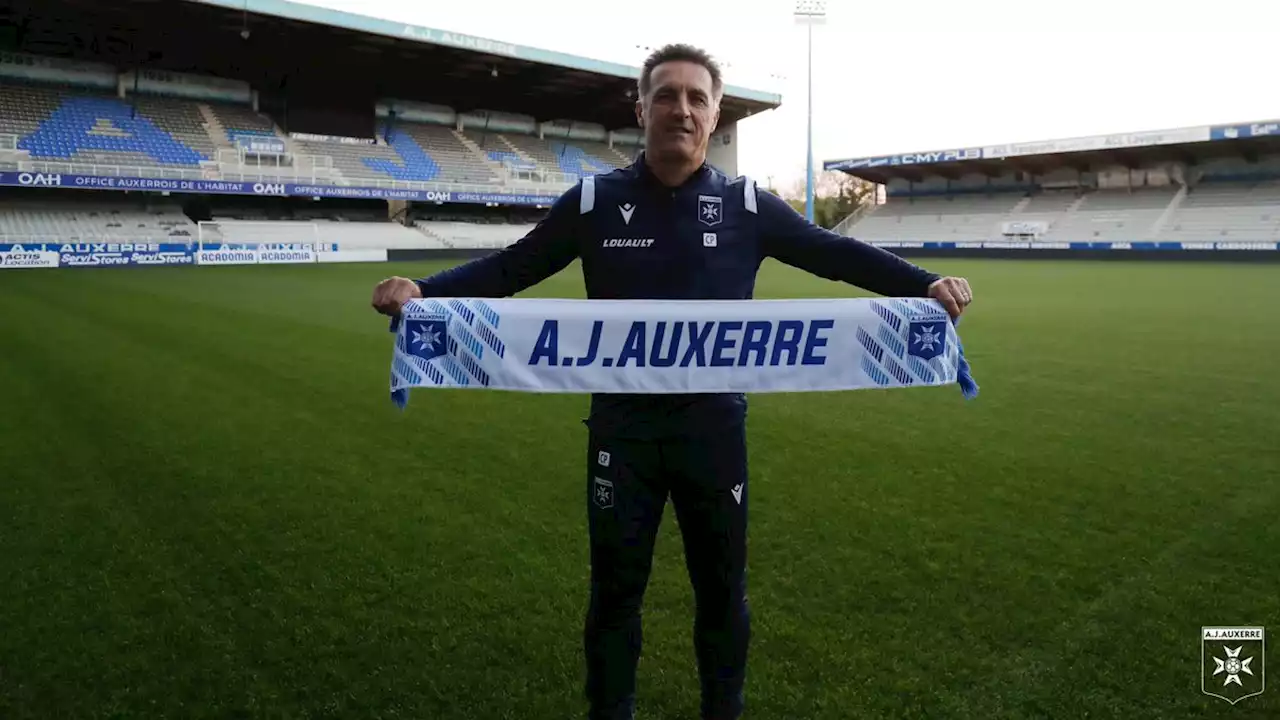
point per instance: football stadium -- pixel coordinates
(212, 508)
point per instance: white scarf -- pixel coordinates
(675, 346)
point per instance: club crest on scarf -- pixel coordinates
(927, 339)
(426, 337)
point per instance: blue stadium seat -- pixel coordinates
(574, 161)
(417, 164)
(68, 130)
(503, 157)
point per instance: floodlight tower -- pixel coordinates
(810, 13)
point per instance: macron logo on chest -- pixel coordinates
(627, 210)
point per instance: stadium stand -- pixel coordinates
(471, 235)
(60, 124)
(1207, 188)
(1232, 200)
(84, 118)
(1110, 215)
(181, 120)
(1211, 211)
(228, 121)
(433, 152)
(1045, 207)
(937, 219)
(347, 234)
(558, 156)
(54, 124)
(1226, 211)
(1235, 199)
(92, 220)
(23, 108)
(347, 160)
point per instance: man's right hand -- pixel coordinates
(392, 293)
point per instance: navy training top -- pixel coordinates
(703, 240)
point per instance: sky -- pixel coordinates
(915, 75)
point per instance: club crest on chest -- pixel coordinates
(710, 210)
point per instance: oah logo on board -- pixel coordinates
(1233, 662)
(268, 188)
(40, 179)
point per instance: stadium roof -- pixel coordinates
(294, 42)
(390, 28)
(1188, 145)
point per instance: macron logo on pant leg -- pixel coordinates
(737, 493)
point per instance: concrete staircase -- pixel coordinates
(1158, 226)
(437, 240)
(524, 156)
(214, 127)
(622, 157)
(1022, 205)
(479, 154)
(292, 147)
(845, 226)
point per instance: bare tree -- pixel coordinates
(835, 196)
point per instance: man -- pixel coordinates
(671, 227)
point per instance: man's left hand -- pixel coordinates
(953, 293)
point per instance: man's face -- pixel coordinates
(680, 111)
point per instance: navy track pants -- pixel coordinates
(628, 482)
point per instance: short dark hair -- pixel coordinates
(677, 52)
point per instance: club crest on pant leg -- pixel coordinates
(602, 493)
(1233, 662)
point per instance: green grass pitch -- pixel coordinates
(209, 508)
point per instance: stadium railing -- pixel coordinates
(303, 169)
(235, 160)
(844, 226)
(313, 176)
(540, 177)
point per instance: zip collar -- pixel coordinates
(645, 173)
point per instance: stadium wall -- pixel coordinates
(722, 150)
